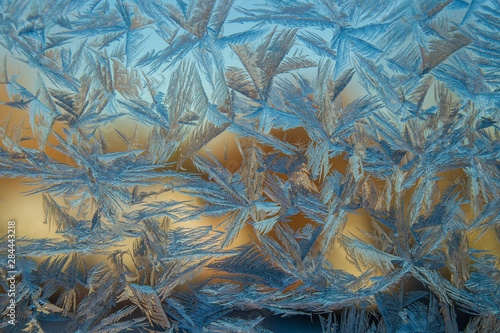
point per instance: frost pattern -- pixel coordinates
(191, 72)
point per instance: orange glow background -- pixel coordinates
(27, 210)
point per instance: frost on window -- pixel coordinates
(226, 165)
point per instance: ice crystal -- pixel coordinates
(321, 110)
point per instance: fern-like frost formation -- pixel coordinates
(215, 155)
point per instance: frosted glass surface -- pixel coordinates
(249, 166)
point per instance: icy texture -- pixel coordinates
(422, 82)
